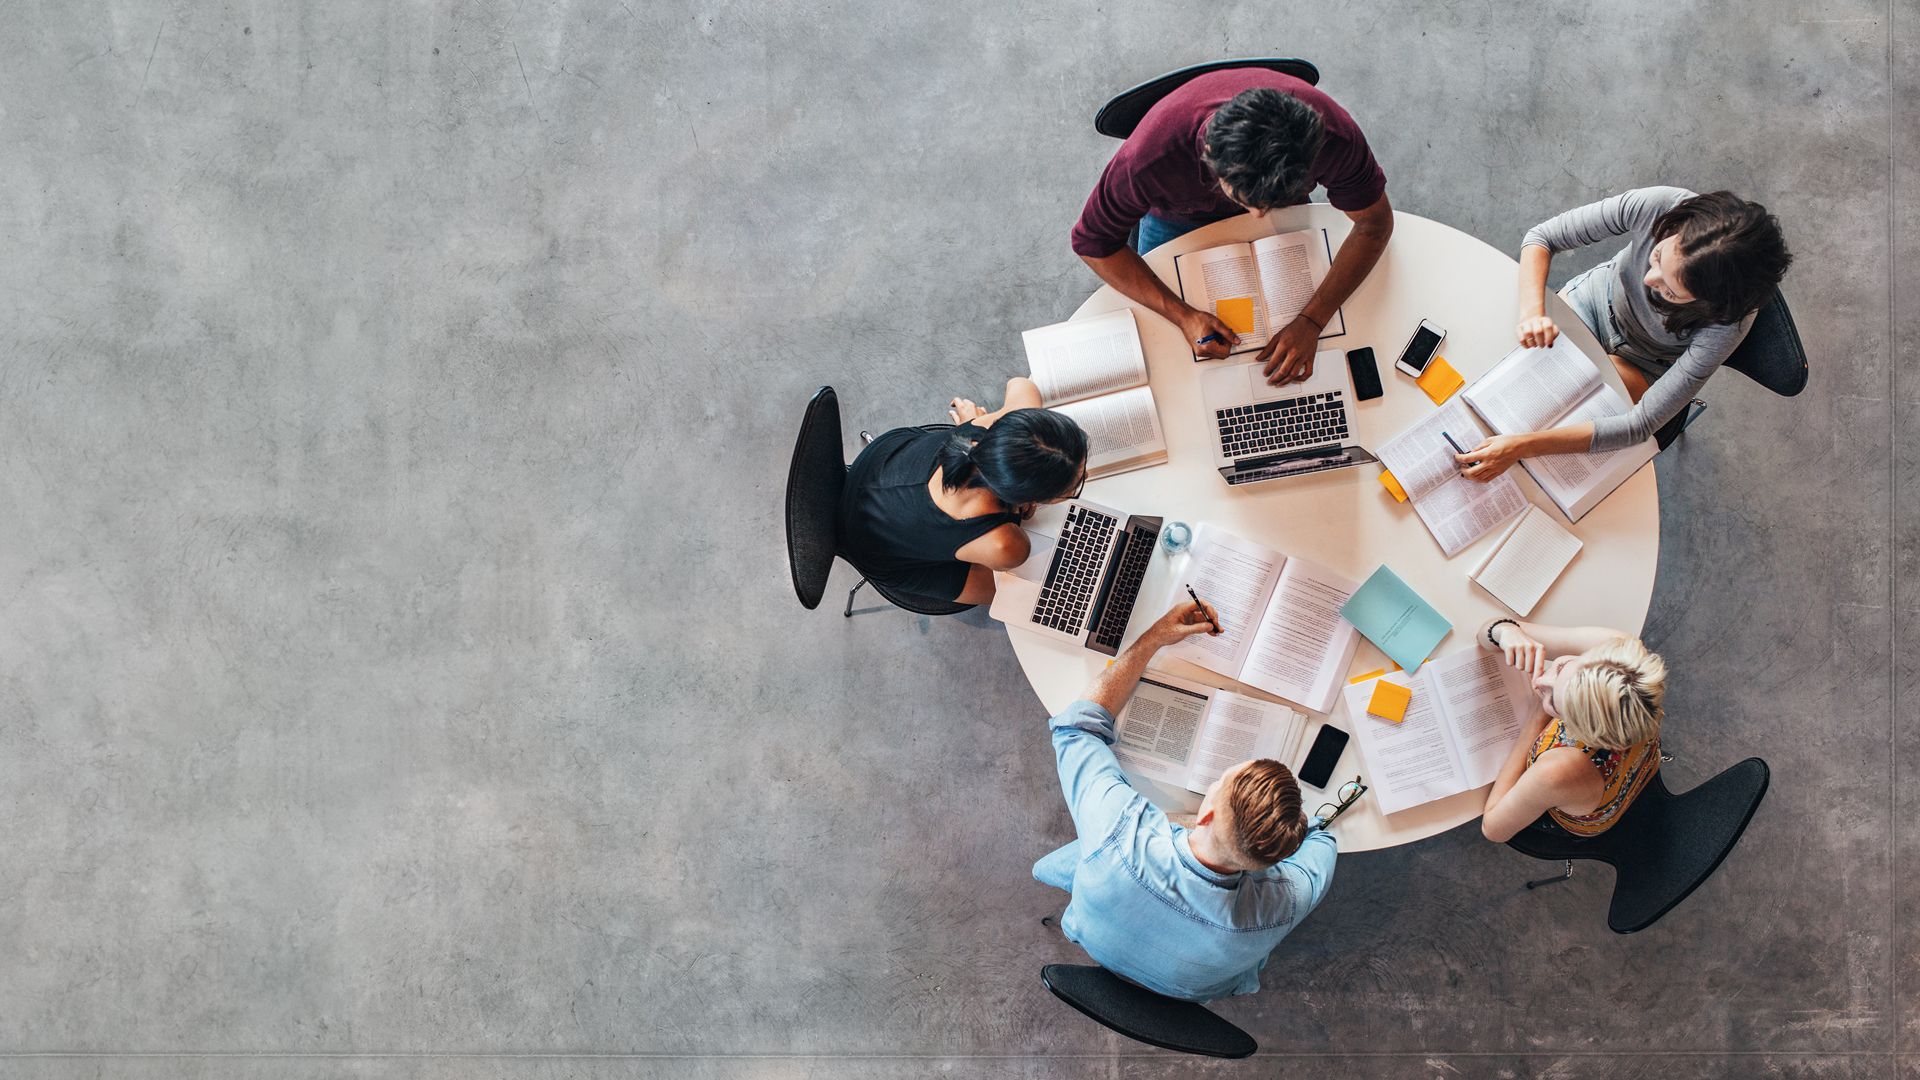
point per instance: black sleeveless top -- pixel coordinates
(890, 529)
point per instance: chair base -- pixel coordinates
(1556, 879)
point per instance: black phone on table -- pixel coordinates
(1366, 375)
(1327, 748)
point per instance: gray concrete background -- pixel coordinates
(398, 670)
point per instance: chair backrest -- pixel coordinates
(814, 480)
(1665, 845)
(1118, 118)
(1144, 1016)
(1771, 354)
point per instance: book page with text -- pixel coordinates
(1487, 705)
(1411, 762)
(1527, 561)
(1303, 647)
(1084, 357)
(1461, 511)
(1121, 428)
(1456, 510)
(1225, 273)
(1235, 576)
(1529, 389)
(1575, 479)
(1421, 458)
(1239, 728)
(1291, 267)
(1156, 730)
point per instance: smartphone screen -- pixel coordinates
(1327, 747)
(1420, 350)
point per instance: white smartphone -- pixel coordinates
(1421, 348)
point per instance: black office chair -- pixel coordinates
(1663, 847)
(1118, 118)
(1144, 1016)
(815, 478)
(1770, 354)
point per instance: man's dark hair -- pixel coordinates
(1263, 143)
(1732, 257)
(1027, 456)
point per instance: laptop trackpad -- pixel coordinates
(1039, 557)
(1260, 391)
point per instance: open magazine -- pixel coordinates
(1456, 510)
(1093, 371)
(1184, 733)
(1281, 629)
(1258, 288)
(1540, 389)
(1467, 709)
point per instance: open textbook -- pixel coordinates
(1093, 371)
(1467, 709)
(1258, 288)
(1540, 389)
(1456, 510)
(1280, 623)
(1181, 732)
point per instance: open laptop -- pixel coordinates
(1081, 585)
(1263, 432)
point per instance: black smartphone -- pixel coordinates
(1327, 748)
(1366, 376)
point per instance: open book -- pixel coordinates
(1541, 389)
(1456, 510)
(1258, 288)
(1467, 709)
(1281, 629)
(1526, 561)
(1093, 371)
(1180, 732)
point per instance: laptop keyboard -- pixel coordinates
(1275, 427)
(1075, 572)
(1136, 553)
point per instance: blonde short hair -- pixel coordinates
(1614, 698)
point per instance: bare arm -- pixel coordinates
(1022, 393)
(1554, 641)
(1289, 356)
(1522, 793)
(1129, 274)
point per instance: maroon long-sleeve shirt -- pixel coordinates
(1159, 170)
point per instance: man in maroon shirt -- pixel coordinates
(1222, 144)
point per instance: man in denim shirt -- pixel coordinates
(1189, 913)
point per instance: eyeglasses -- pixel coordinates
(1348, 794)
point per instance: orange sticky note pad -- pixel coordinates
(1393, 486)
(1237, 313)
(1376, 673)
(1440, 380)
(1389, 701)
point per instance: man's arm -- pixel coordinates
(1129, 275)
(1096, 790)
(1289, 356)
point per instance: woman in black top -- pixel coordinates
(935, 513)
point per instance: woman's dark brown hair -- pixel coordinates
(1732, 259)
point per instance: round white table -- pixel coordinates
(1344, 519)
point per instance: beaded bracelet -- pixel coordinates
(1495, 625)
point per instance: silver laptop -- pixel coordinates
(1263, 432)
(1081, 585)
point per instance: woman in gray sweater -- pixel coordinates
(1670, 307)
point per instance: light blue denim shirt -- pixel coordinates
(1143, 906)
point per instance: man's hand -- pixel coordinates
(1289, 356)
(1492, 457)
(1182, 621)
(1197, 324)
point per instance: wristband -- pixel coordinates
(1495, 625)
(1317, 324)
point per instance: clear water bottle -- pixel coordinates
(1176, 537)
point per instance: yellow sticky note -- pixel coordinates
(1389, 701)
(1362, 678)
(1440, 380)
(1393, 486)
(1237, 313)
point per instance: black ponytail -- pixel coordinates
(1027, 456)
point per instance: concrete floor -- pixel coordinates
(398, 670)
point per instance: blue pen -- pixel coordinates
(1456, 446)
(1209, 338)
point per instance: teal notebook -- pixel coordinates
(1393, 616)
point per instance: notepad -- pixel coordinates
(1237, 313)
(1439, 380)
(1526, 561)
(1393, 486)
(1392, 616)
